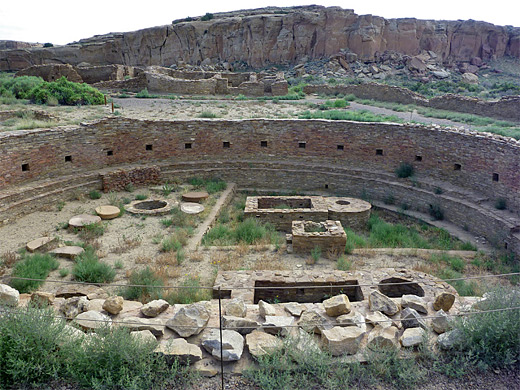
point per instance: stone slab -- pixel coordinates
(39, 243)
(108, 211)
(195, 196)
(68, 252)
(191, 208)
(79, 221)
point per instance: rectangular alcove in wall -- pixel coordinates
(303, 293)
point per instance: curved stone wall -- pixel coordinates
(461, 172)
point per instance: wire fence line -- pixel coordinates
(261, 326)
(329, 284)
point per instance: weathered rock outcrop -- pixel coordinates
(278, 36)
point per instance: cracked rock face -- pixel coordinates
(261, 38)
(380, 302)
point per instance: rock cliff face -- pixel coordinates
(279, 36)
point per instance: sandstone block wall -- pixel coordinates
(118, 180)
(505, 108)
(163, 84)
(331, 241)
(472, 171)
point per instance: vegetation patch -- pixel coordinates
(358, 116)
(88, 268)
(32, 266)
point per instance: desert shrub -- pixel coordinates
(250, 231)
(211, 185)
(489, 340)
(206, 17)
(94, 194)
(29, 345)
(48, 44)
(116, 360)
(88, 268)
(189, 292)
(66, 93)
(343, 263)
(170, 244)
(436, 212)
(141, 197)
(207, 114)
(360, 116)
(144, 286)
(91, 231)
(500, 204)
(143, 94)
(404, 170)
(384, 234)
(35, 266)
(219, 235)
(316, 253)
(18, 87)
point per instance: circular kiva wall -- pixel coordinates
(459, 172)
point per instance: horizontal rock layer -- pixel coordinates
(278, 36)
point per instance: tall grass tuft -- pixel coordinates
(88, 268)
(150, 283)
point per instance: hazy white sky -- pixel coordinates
(61, 22)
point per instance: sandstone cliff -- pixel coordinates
(279, 36)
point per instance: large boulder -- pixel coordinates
(294, 309)
(441, 322)
(449, 339)
(235, 307)
(354, 318)
(278, 325)
(154, 308)
(154, 325)
(41, 298)
(342, 340)
(113, 304)
(240, 324)
(470, 78)
(378, 318)
(232, 344)
(261, 343)
(71, 307)
(9, 296)
(189, 320)
(337, 305)
(411, 319)
(383, 337)
(180, 349)
(91, 319)
(444, 301)
(313, 322)
(378, 301)
(144, 336)
(266, 309)
(414, 302)
(412, 337)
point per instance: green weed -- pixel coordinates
(34, 266)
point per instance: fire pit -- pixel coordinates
(150, 207)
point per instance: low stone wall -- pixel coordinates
(505, 108)
(52, 72)
(159, 83)
(118, 180)
(96, 74)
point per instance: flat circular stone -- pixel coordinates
(83, 219)
(195, 197)
(191, 208)
(108, 212)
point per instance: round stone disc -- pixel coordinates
(83, 219)
(108, 212)
(195, 197)
(192, 208)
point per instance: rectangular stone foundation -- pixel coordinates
(329, 236)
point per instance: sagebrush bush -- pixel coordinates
(490, 339)
(150, 283)
(29, 347)
(88, 268)
(35, 266)
(404, 170)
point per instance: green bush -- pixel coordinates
(207, 114)
(404, 170)
(88, 268)
(359, 116)
(29, 343)
(66, 93)
(35, 266)
(143, 94)
(189, 292)
(94, 194)
(18, 87)
(490, 340)
(206, 17)
(91, 231)
(250, 231)
(219, 235)
(150, 283)
(501, 204)
(211, 185)
(343, 263)
(436, 212)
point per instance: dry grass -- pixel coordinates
(269, 261)
(143, 259)
(168, 272)
(196, 256)
(8, 259)
(167, 259)
(125, 244)
(227, 261)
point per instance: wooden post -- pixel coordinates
(112, 107)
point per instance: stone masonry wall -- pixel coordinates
(472, 170)
(118, 180)
(506, 108)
